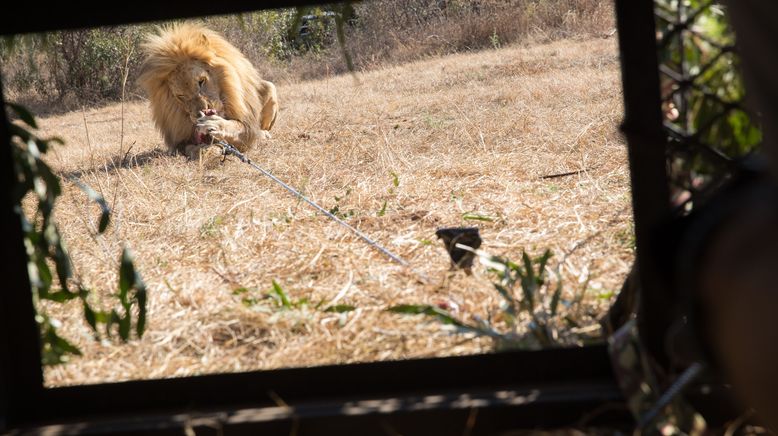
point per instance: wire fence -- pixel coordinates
(711, 134)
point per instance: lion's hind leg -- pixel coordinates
(269, 112)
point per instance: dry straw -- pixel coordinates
(460, 140)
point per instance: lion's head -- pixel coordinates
(188, 69)
(195, 88)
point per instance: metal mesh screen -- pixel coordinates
(709, 130)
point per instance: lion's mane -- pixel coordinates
(240, 87)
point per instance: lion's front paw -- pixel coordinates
(213, 126)
(264, 134)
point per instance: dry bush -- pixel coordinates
(390, 32)
(73, 68)
(260, 36)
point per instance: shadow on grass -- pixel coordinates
(51, 106)
(120, 161)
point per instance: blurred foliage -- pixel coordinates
(703, 92)
(50, 269)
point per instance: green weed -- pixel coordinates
(531, 311)
(495, 39)
(211, 227)
(392, 191)
(276, 299)
(338, 211)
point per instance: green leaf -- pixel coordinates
(239, 291)
(340, 308)
(140, 297)
(444, 317)
(248, 301)
(510, 303)
(54, 348)
(44, 274)
(395, 179)
(528, 269)
(497, 265)
(278, 291)
(127, 276)
(528, 282)
(105, 211)
(23, 114)
(507, 296)
(62, 261)
(514, 267)
(113, 318)
(20, 133)
(60, 296)
(102, 317)
(90, 316)
(56, 139)
(556, 296)
(542, 262)
(382, 212)
(53, 188)
(425, 309)
(64, 345)
(124, 327)
(409, 309)
(472, 216)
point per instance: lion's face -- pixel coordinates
(195, 89)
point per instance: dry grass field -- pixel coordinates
(400, 152)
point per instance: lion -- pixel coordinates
(201, 87)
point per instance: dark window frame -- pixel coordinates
(558, 386)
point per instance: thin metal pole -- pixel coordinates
(680, 383)
(230, 150)
(646, 142)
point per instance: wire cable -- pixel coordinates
(229, 149)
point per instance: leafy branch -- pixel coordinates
(45, 249)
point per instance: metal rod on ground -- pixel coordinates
(681, 382)
(228, 149)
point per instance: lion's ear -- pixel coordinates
(204, 40)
